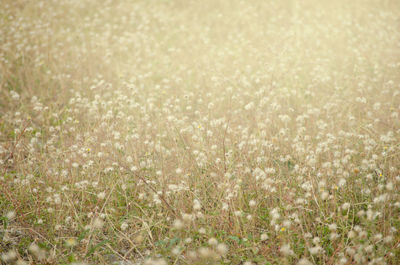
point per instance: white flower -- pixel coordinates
(10, 215)
(98, 223)
(101, 195)
(264, 237)
(212, 241)
(222, 249)
(9, 256)
(178, 224)
(304, 261)
(346, 206)
(286, 250)
(124, 226)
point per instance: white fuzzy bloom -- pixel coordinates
(342, 182)
(155, 262)
(205, 252)
(196, 205)
(324, 195)
(315, 250)
(346, 206)
(304, 261)
(14, 95)
(178, 224)
(332, 227)
(249, 106)
(213, 241)
(101, 195)
(9, 256)
(222, 249)
(124, 226)
(264, 237)
(286, 250)
(98, 223)
(10, 215)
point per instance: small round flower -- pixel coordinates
(178, 224)
(315, 250)
(205, 252)
(71, 242)
(332, 227)
(324, 195)
(264, 237)
(9, 256)
(124, 226)
(286, 250)
(101, 195)
(10, 215)
(304, 261)
(222, 249)
(98, 223)
(346, 206)
(196, 205)
(213, 241)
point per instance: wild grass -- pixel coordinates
(199, 132)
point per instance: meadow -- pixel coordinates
(163, 132)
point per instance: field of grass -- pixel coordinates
(200, 132)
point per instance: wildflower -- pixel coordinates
(21, 262)
(332, 227)
(196, 205)
(351, 234)
(346, 206)
(10, 215)
(176, 250)
(238, 213)
(178, 224)
(316, 240)
(304, 261)
(286, 250)
(71, 242)
(333, 236)
(39, 253)
(315, 250)
(192, 255)
(212, 241)
(187, 217)
(324, 195)
(9, 256)
(155, 262)
(124, 226)
(222, 249)
(264, 237)
(98, 223)
(101, 195)
(205, 252)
